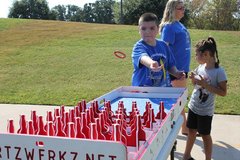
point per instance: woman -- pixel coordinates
(175, 34)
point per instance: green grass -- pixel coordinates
(6, 23)
(52, 62)
(228, 45)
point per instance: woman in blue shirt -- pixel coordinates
(175, 34)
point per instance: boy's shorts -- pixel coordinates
(202, 124)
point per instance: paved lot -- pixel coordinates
(226, 140)
(225, 132)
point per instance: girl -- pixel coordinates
(208, 79)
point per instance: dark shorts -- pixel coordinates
(202, 124)
(172, 78)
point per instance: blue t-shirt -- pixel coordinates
(179, 42)
(142, 75)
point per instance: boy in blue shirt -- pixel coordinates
(151, 57)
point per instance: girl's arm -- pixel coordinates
(220, 90)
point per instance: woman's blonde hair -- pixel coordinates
(169, 13)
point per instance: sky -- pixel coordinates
(6, 4)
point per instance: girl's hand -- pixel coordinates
(192, 74)
(199, 80)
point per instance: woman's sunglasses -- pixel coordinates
(180, 8)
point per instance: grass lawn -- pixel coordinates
(55, 63)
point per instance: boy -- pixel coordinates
(150, 57)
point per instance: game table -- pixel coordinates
(128, 123)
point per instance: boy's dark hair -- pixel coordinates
(211, 46)
(148, 17)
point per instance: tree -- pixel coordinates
(213, 14)
(18, 10)
(88, 13)
(133, 9)
(67, 13)
(79, 15)
(196, 9)
(103, 11)
(73, 12)
(99, 12)
(61, 12)
(221, 14)
(32, 9)
(53, 14)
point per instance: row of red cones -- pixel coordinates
(92, 123)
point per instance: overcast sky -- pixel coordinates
(6, 4)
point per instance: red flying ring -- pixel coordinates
(120, 54)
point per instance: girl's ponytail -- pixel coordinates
(214, 50)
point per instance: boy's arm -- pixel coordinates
(148, 62)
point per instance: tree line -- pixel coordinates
(200, 14)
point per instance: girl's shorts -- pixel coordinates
(202, 124)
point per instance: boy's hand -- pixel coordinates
(155, 67)
(180, 75)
